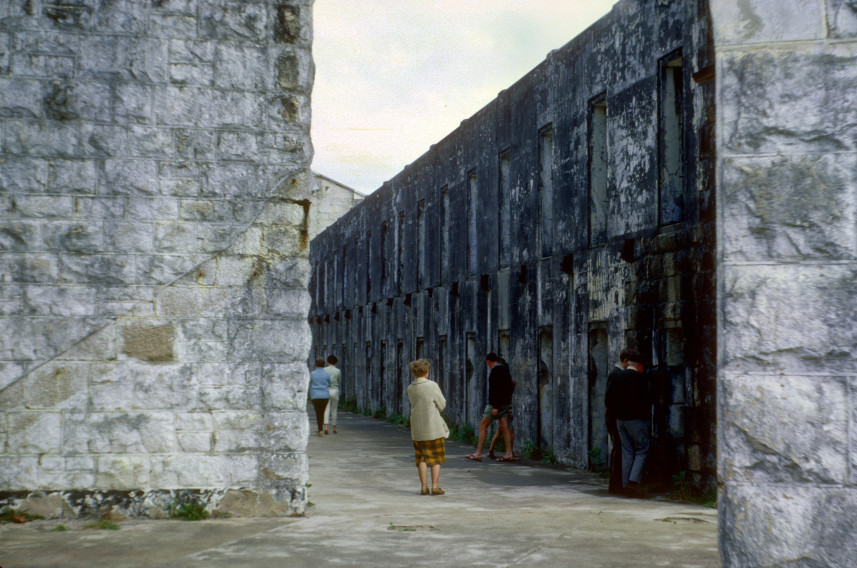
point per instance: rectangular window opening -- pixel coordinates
(671, 143)
(546, 190)
(472, 236)
(504, 221)
(598, 161)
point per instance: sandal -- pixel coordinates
(491, 455)
(505, 459)
(424, 491)
(474, 458)
(437, 491)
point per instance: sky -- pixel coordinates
(395, 76)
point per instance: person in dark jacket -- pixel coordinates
(628, 399)
(498, 408)
(615, 485)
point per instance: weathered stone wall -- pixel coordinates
(154, 187)
(497, 239)
(787, 289)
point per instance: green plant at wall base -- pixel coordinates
(380, 413)
(684, 491)
(103, 524)
(189, 511)
(60, 528)
(549, 457)
(596, 461)
(399, 420)
(529, 451)
(10, 515)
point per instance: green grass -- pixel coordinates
(188, 511)
(7, 513)
(60, 528)
(103, 524)
(683, 490)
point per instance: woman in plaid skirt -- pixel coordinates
(428, 428)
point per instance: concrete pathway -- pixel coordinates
(368, 512)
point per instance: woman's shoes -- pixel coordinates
(334, 429)
(326, 431)
(436, 491)
(424, 491)
(320, 433)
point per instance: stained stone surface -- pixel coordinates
(787, 279)
(154, 195)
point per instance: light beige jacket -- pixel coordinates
(426, 404)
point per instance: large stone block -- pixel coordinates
(34, 432)
(284, 387)
(57, 385)
(817, 219)
(766, 21)
(139, 386)
(802, 435)
(118, 432)
(71, 176)
(842, 18)
(20, 99)
(117, 472)
(787, 525)
(782, 100)
(23, 175)
(234, 21)
(269, 341)
(788, 318)
(240, 67)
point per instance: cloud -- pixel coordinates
(392, 78)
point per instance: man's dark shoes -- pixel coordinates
(634, 490)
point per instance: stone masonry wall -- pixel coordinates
(787, 291)
(154, 186)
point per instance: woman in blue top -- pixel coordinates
(319, 392)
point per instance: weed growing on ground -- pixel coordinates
(60, 528)
(189, 511)
(684, 491)
(464, 434)
(380, 413)
(399, 420)
(597, 463)
(102, 524)
(10, 515)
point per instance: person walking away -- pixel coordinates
(319, 392)
(498, 431)
(614, 487)
(628, 396)
(428, 428)
(335, 376)
(498, 408)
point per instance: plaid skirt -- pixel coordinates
(433, 452)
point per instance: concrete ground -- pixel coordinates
(368, 512)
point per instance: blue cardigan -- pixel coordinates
(319, 383)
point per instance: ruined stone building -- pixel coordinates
(154, 191)
(329, 200)
(681, 176)
(571, 216)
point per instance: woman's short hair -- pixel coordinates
(319, 362)
(420, 367)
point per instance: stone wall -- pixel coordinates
(787, 290)
(154, 187)
(569, 217)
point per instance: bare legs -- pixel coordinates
(435, 475)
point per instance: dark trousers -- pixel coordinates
(319, 404)
(615, 485)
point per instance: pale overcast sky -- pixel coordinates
(395, 76)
